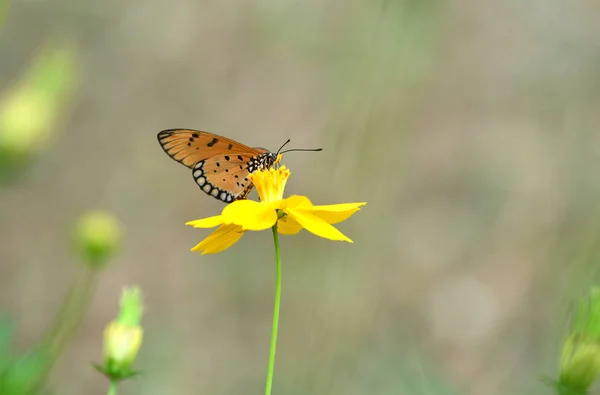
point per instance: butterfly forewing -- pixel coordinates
(220, 165)
(189, 146)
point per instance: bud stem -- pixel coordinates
(67, 321)
(73, 309)
(112, 390)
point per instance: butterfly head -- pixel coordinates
(265, 160)
(273, 159)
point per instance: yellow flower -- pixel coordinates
(291, 214)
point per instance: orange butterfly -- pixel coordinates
(220, 165)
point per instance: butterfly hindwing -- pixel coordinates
(225, 178)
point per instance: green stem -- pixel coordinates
(112, 390)
(68, 319)
(271, 365)
(74, 307)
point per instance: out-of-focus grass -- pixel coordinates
(19, 371)
(3, 11)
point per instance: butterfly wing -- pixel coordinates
(220, 165)
(189, 146)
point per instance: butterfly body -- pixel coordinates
(220, 166)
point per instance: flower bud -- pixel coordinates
(580, 359)
(132, 306)
(123, 337)
(98, 237)
(31, 108)
(121, 345)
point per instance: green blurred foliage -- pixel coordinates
(19, 372)
(3, 11)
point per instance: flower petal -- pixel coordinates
(250, 215)
(288, 226)
(294, 201)
(316, 225)
(222, 238)
(209, 222)
(334, 213)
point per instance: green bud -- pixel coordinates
(31, 108)
(123, 337)
(24, 119)
(98, 237)
(131, 307)
(580, 358)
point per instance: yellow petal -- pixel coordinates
(222, 238)
(209, 222)
(288, 226)
(294, 201)
(250, 215)
(316, 225)
(334, 213)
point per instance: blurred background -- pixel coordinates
(469, 127)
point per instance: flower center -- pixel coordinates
(270, 184)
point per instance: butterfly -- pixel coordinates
(220, 166)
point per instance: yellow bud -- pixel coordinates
(98, 236)
(26, 118)
(121, 345)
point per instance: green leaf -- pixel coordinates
(23, 372)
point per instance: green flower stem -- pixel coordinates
(73, 309)
(68, 319)
(271, 365)
(112, 390)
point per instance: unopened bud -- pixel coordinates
(98, 237)
(123, 337)
(580, 359)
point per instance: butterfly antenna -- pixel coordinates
(279, 151)
(280, 148)
(302, 149)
